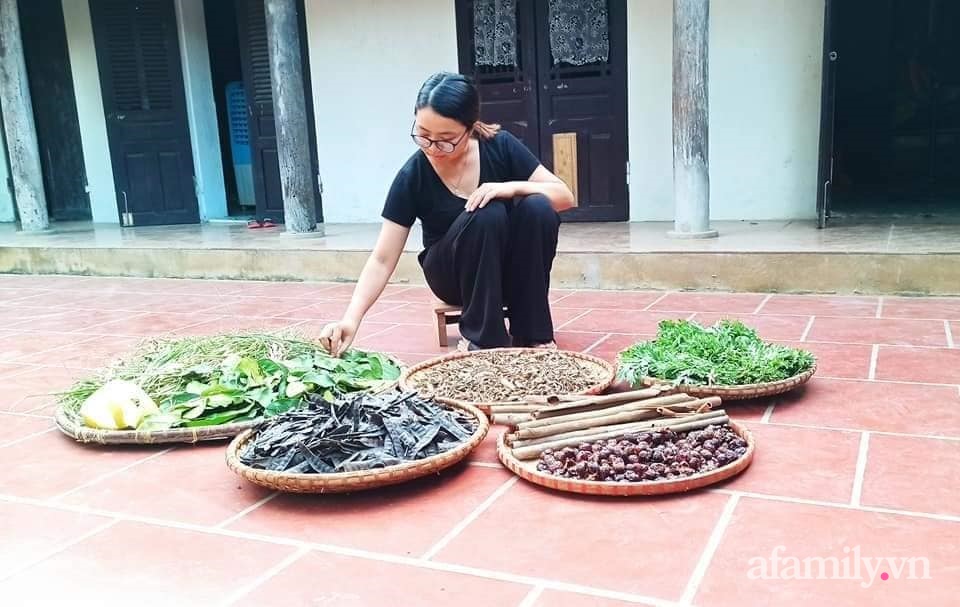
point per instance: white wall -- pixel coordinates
(650, 108)
(93, 123)
(201, 110)
(368, 59)
(764, 108)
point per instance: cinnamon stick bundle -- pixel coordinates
(599, 422)
(597, 402)
(676, 400)
(677, 425)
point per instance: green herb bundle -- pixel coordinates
(728, 353)
(205, 381)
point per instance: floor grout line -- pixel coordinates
(574, 319)
(887, 381)
(267, 575)
(656, 301)
(239, 515)
(532, 597)
(57, 550)
(459, 527)
(806, 329)
(27, 437)
(690, 316)
(767, 413)
(706, 557)
(597, 343)
(949, 332)
(874, 356)
(486, 465)
(763, 303)
(880, 432)
(861, 469)
(110, 474)
(880, 307)
(26, 414)
(354, 552)
(949, 518)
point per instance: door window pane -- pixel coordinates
(495, 33)
(579, 32)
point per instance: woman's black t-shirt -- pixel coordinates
(417, 191)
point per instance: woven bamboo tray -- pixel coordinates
(72, 426)
(346, 482)
(741, 392)
(527, 470)
(408, 374)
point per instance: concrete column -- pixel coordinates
(93, 123)
(691, 164)
(18, 123)
(290, 114)
(201, 110)
(6, 196)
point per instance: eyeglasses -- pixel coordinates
(443, 145)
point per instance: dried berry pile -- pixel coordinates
(648, 456)
(502, 376)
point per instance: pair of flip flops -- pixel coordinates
(255, 224)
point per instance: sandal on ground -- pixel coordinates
(465, 345)
(520, 343)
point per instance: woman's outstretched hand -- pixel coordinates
(336, 337)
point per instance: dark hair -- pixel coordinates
(455, 96)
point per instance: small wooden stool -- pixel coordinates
(447, 314)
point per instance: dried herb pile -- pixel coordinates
(357, 432)
(501, 376)
(728, 353)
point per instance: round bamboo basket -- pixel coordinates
(741, 392)
(527, 470)
(346, 482)
(408, 376)
(71, 425)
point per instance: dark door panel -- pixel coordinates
(556, 67)
(143, 95)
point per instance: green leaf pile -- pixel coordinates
(728, 353)
(214, 380)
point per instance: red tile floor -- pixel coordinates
(851, 500)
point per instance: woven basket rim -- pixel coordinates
(611, 488)
(361, 479)
(68, 423)
(748, 390)
(610, 370)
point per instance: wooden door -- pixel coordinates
(143, 97)
(582, 76)
(255, 62)
(555, 70)
(504, 66)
